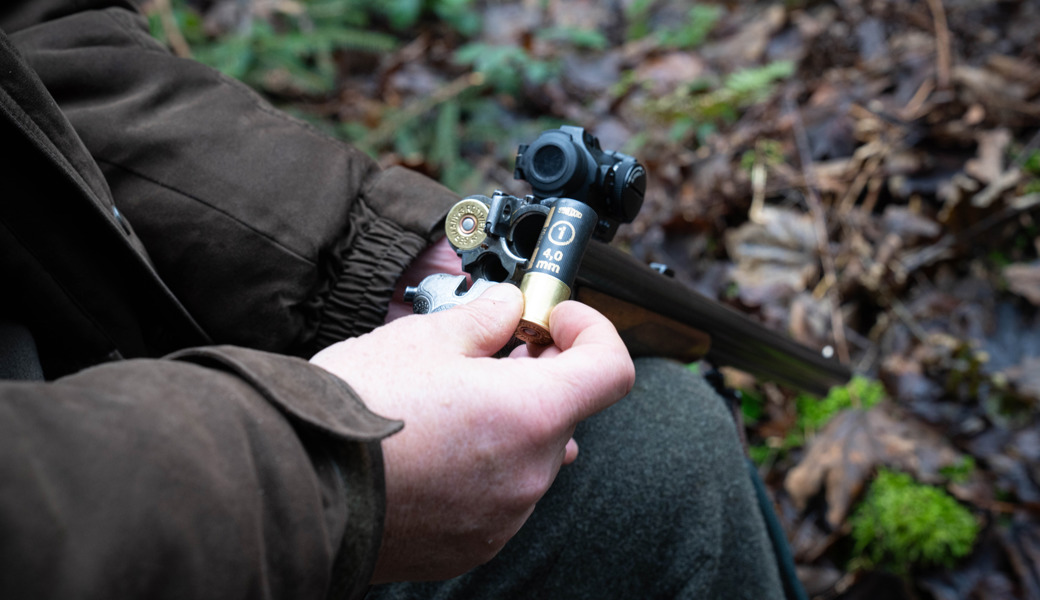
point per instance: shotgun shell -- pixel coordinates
(465, 224)
(553, 266)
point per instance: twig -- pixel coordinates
(908, 319)
(171, 30)
(758, 191)
(942, 43)
(820, 226)
(866, 175)
(929, 254)
(873, 192)
(915, 107)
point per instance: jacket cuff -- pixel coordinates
(342, 438)
(398, 214)
(366, 275)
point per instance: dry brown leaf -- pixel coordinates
(833, 176)
(665, 73)
(810, 320)
(749, 43)
(1005, 182)
(1025, 377)
(841, 460)
(907, 224)
(989, 164)
(507, 23)
(989, 85)
(775, 255)
(1024, 280)
(580, 14)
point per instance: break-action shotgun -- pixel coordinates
(552, 244)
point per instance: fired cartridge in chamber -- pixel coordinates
(554, 265)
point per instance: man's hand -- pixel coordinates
(484, 438)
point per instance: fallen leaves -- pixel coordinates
(1024, 280)
(840, 461)
(774, 255)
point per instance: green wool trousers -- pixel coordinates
(658, 504)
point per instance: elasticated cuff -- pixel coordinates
(358, 299)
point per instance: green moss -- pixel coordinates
(760, 453)
(1031, 164)
(959, 472)
(752, 406)
(861, 392)
(902, 524)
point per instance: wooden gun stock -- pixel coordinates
(659, 316)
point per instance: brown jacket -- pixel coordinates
(149, 205)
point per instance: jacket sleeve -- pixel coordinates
(222, 473)
(273, 235)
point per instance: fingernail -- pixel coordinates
(503, 292)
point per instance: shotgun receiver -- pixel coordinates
(552, 244)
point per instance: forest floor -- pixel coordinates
(863, 175)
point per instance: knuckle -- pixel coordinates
(480, 326)
(530, 489)
(471, 318)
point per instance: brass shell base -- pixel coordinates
(541, 295)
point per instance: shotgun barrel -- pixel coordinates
(658, 315)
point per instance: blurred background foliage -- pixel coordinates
(299, 53)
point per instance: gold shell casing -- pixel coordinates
(541, 295)
(465, 224)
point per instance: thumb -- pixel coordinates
(481, 327)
